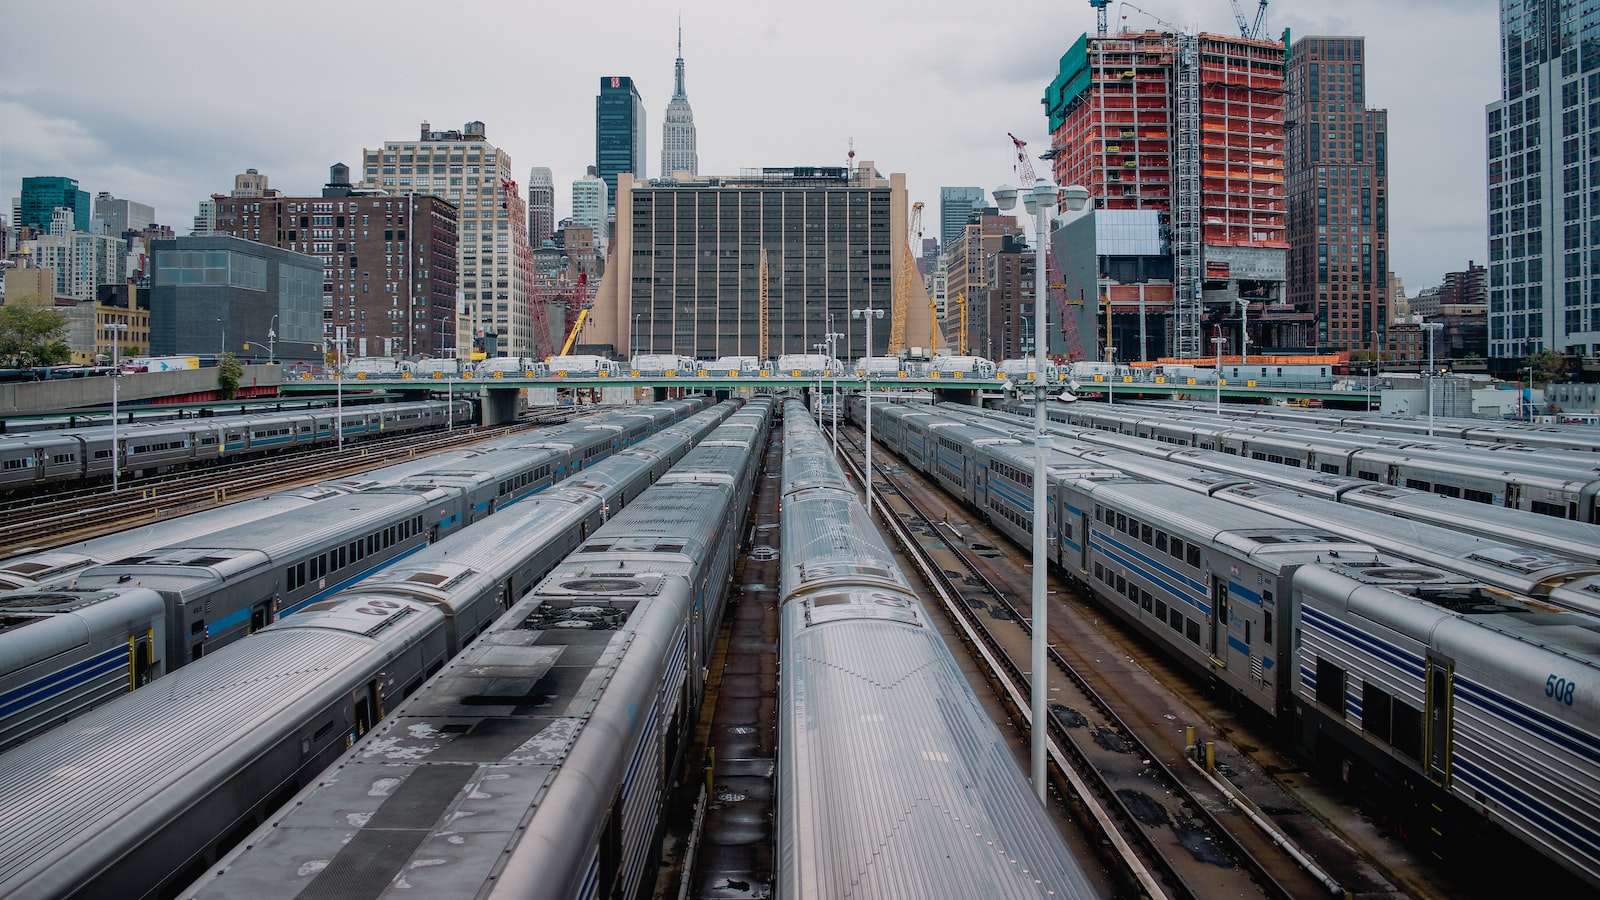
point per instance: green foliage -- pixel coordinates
(1547, 365)
(31, 334)
(229, 372)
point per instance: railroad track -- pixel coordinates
(46, 523)
(1161, 819)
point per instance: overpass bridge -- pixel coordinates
(499, 391)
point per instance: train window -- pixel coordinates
(1329, 469)
(1122, 585)
(1192, 631)
(1405, 726)
(1161, 610)
(1133, 527)
(1247, 624)
(1330, 686)
(1417, 484)
(1161, 541)
(1375, 711)
(1192, 555)
(1176, 549)
(1266, 621)
(196, 627)
(1447, 490)
(1369, 476)
(197, 651)
(1175, 620)
(1145, 533)
(1144, 599)
(342, 563)
(1099, 572)
(1548, 509)
(1122, 523)
(1099, 513)
(1477, 496)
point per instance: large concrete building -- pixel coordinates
(678, 152)
(1190, 130)
(388, 263)
(214, 294)
(122, 216)
(686, 260)
(1543, 145)
(494, 262)
(968, 272)
(42, 195)
(82, 261)
(1338, 187)
(618, 132)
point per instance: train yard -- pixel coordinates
(633, 688)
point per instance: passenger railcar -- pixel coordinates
(1461, 690)
(557, 733)
(878, 730)
(141, 795)
(245, 570)
(32, 460)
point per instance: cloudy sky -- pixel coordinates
(164, 101)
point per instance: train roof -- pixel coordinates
(1227, 524)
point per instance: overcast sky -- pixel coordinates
(164, 101)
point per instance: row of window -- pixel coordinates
(303, 573)
(526, 478)
(1392, 721)
(1173, 616)
(1011, 472)
(1143, 532)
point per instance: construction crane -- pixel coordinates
(1159, 21)
(1100, 15)
(961, 327)
(1253, 32)
(902, 283)
(765, 348)
(524, 261)
(578, 307)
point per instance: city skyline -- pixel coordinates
(929, 95)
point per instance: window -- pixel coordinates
(1330, 686)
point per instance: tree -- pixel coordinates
(1547, 365)
(31, 334)
(228, 373)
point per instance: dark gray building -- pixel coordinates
(955, 204)
(618, 131)
(210, 294)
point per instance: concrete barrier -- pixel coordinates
(31, 397)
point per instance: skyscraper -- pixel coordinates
(590, 198)
(618, 132)
(1338, 186)
(1544, 289)
(541, 205)
(41, 195)
(677, 132)
(122, 215)
(494, 262)
(955, 203)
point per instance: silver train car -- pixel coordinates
(31, 460)
(1233, 593)
(537, 763)
(245, 571)
(878, 730)
(141, 796)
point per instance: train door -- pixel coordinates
(1219, 622)
(260, 616)
(1513, 496)
(141, 666)
(1440, 720)
(365, 710)
(1083, 541)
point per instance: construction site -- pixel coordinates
(1179, 138)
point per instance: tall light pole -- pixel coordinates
(833, 351)
(1039, 200)
(1111, 378)
(868, 314)
(820, 348)
(1217, 342)
(1377, 367)
(634, 347)
(116, 381)
(1431, 328)
(222, 339)
(272, 339)
(338, 376)
(1244, 331)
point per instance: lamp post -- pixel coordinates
(833, 350)
(868, 314)
(1217, 342)
(1377, 368)
(633, 348)
(338, 377)
(222, 339)
(116, 381)
(272, 339)
(1039, 200)
(1431, 328)
(1111, 379)
(820, 348)
(1244, 331)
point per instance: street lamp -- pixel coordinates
(1111, 378)
(1431, 328)
(116, 380)
(1377, 367)
(272, 339)
(1244, 331)
(868, 314)
(222, 339)
(1217, 342)
(338, 379)
(833, 351)
(1040, 200)
(634, 347)
(820, 348)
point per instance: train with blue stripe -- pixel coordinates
(244, 571)
(34, 460)
(1485, 664)
(141, 796)
(540, 761)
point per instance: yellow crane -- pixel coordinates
(764, 348)
(902, 283)
(961, 327)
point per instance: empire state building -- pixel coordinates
(677, 132)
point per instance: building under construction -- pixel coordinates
(1180, 140)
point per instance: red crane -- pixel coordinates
(524, 260)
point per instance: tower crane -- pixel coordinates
(961, 328)
(1159, 21)
(1100, 15)
(902, 283)
(1251, 31)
